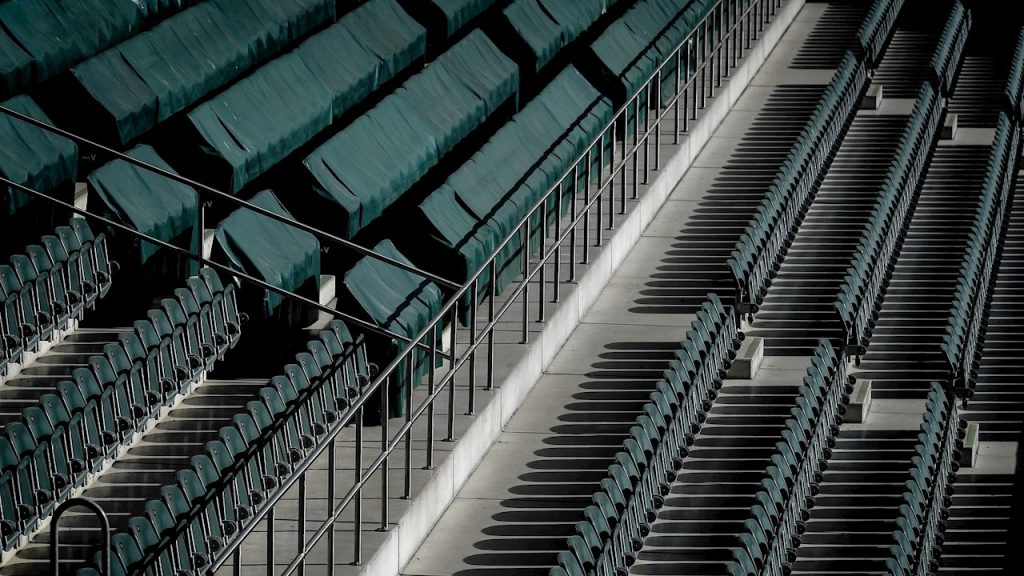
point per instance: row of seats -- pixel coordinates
(967, 313)
(1014, 92)
(40, 38)
(950, 47)
(876, 28)
(187, 525)
(771, 534)
(67, 434)
(545, 27)
(446, 18)
(370, 164)
(33, 158)
(621, 512)
(869, 272)
(483, 201)
(248, 128)
(632, 47)
(133, 86)
(759, 252)
(922, 520)
(49, 285)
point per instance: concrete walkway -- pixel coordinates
(513, 514)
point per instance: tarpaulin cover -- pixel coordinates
(547, 26)
(634, 45)
(266, 116)
(15, 65)
(396, 300)
(148, 78)
(368, 47)
(458, 13)
(366, 167)
(146, 201)
(31, 156)
(59, 33)
(483, 201)
(279, 254)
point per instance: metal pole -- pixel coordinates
(451, 384)
(385, 472)
(473, 305)
(357, 556)
(525, 253)
(332, 467)
(408, 420)
(490, 318)
(431, 387)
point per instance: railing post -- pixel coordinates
(473, 307)
(586, 199)
(357, 532)
(490, 318)
(408, 420)
(542, 237)
(573, 198)
(271, 530)
(385, 471)
(301, 541)
(431, 387)
(451, 367)
(525, 253)
(332, 473)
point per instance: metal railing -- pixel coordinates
(630, 143)
(701, 60)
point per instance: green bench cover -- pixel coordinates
(40, 38)
(31, 156)
(547, 26)
(277, 253)
(146, 201)
(395, 300)
(148, 78)
(260, 120)
(366, 167)
(458, 13)
(483, 201)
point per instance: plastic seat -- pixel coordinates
(22, 330)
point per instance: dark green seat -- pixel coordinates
(33, 157)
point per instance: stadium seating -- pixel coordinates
(608, 539)
(864, 282)
(759, 252)
(147, 202)
(950, 48)
(1015, 83)
(918, 537)
(772, 532)
(963, 330)
(49, 285)
(483, 202)
(546, 26)
(370, 164)
(125, 91)
(40, 38)
(186, 523)
(632, 47)
(875, 30)
(82, 422)
(272, 251)
(33, 157)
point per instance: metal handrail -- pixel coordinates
(741, 22)
(55, 533)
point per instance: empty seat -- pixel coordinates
(370, 164)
